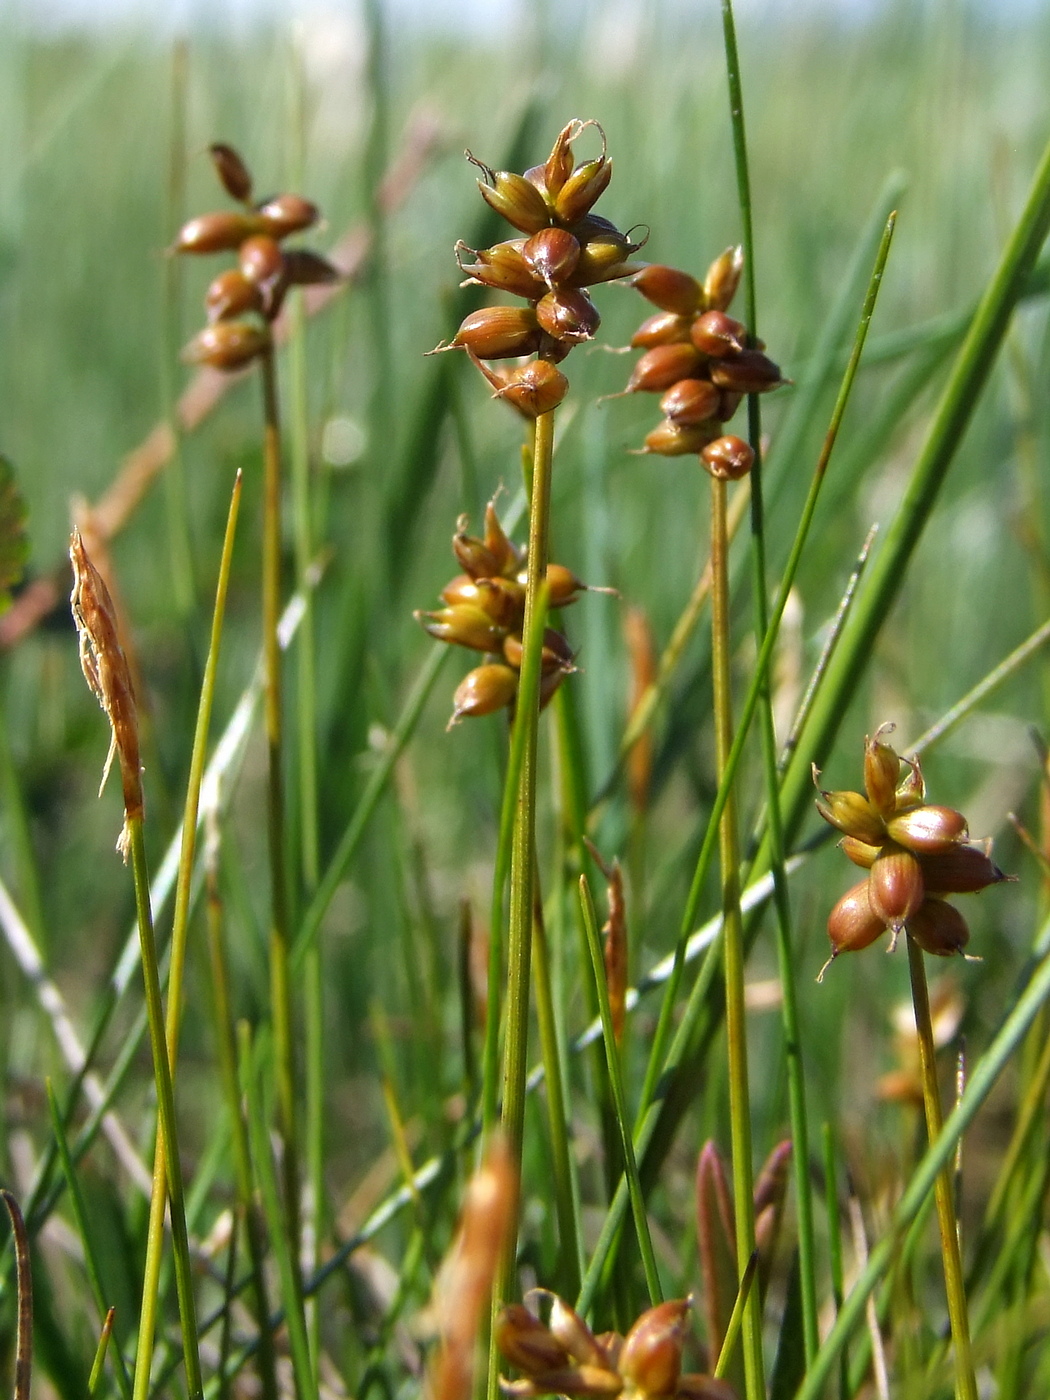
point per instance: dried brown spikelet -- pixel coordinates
(107, 673)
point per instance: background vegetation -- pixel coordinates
(937, 110)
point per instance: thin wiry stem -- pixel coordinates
(965, 1380)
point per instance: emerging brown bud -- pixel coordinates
(287, 213)
(228, 345)
(691, 401)
(482, 691)
(928, 830)
(716, 334)
(231, 294)
(749, 372)
(663, 366)
(670, 440)
(895, 886)
(882, 769)
(568, 315)
(723, 278)
(728, 458)
(217, 233)
(108, 675)
(663, 328)
(552, 256)
(651, 1359)
(499, 332)
(232, 171)
(669, 289)
(939, 928)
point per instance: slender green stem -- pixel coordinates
(831, 1201)
(965, 1380)
(100, 1354)
(733, 940)
(619, 1096)
(227, 1055)
(280, 977)
(557, 1114)
(166, 1162)
(736, 1317)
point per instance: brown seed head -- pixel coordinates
(853, 815)
(859, 852)
(287, 213)
(463, 625)
(515, 198)
(912, 791)
(651, 1359)
(669, 289)
(499, 332)
(749, 372)
(569, 315)
(552, 256)
(895, 886)
(670, 440)
(260, 258)
(853, 924)
(563, 587)
(532, 389)
(928, 830)
(962, 870)
(555, 657)
(502, 267)
(605, 252)
(583, 188)
(662, 366)
(232, 171)
(526, 1343)
(231, 294)
(108, 675)
(483, 691)
(728, 458)
(217, 233)
(882, 768)
(691, 401)
(663, 328)
(572, 1332)
(228, 345)
(716, 334)
(938, 928)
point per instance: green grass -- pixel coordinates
(935, 111)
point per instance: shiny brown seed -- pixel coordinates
(499, 332)
(563, 587)
(605, 252)
(217, 233)
(669, 289)
(895, 886)
(260, 258)
(962, 870)
(749, 372)
(474, 556)
(669, 440)
(663, 366)
(231, 294)
(552, 256)
(515, 198)
(228, 345)
(853, 924)
(583, 188)
(287, 213)
(662, 328)
(481, 692)
(929, 830)
(532, 389)
(232, 171)
(938, 928)
(568, 315)
(690, 401)
(728, 458)
(723, 278)
(718, 335)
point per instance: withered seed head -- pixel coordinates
(108, 675)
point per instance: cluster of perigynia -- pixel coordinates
(565, 249)
(697, 357)
(243, 302)
(915, 853)
(564, 1357)
(485, 611)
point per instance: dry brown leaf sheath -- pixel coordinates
(106, 671)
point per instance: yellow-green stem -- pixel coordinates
(167, 1156)
(280, 980)
(965, 1381)
(733, 942)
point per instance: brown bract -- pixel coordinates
(107, 673)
